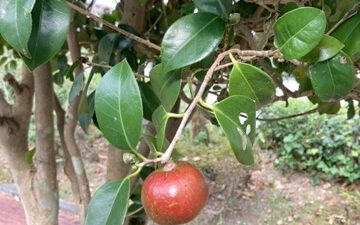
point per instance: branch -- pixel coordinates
(17, 88)
(5, 107)
(166, 156)
(288, 117)
(113, 27)
(348, 15)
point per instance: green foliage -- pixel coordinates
(118, 107)
(326, 49)
(297, 32)
(18, 34)
(49, 30)
(160, 118)
(333, 79)
(109, 204)
(319, 144)
(218, 7)
(166, 85)
(349, 33)
(236, 116)
(245, 80)
(190, 39)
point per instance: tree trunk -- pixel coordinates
(44, 180)
(76, 170)
(36, 182)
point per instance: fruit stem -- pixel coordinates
(169, 165)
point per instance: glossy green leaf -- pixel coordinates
(109, 204)
(16, 23)
(190, 39)
(160, 118)
(86, 111)
(166, 85)
(218, 7)
(149, 99)
(118, 107)
(327, 48)
(106, 47)
(69, 74)
(333, 79)
(349, 34)
(252, 82)
(76, 88)
(330, 108)
(51, 20)
(86, 107)
(351, 109)
(236, 115)
(297, 32)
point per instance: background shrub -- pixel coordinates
(320, 144)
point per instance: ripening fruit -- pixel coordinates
(174, 194)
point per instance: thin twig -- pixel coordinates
(288, 117)
(136, 211)
(115, 28)
(348, 15)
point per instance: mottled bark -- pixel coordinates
(73, 152)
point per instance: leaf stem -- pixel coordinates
(205, 105)
(143, 158)
(175, 115)
(137, 171)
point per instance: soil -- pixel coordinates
(12, 213)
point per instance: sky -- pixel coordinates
(110, 3)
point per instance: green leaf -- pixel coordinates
(218, 7)
(118, 107)
(160, 118)
(190, 39)
(326, 49)
(149, 100)
(349, 34)
(69, 74)
(351, 109)
(252, 82)
(297, 32)
(109, 204)
(329, 107)
(106, 47)
(333, 79)
(16, 23)
(29, 156)
(166, 85)
(76, 88)
(86, 110)
(51, 20)
(236, 115)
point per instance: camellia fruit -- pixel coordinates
(174, 194)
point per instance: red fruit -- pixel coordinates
(174, 194)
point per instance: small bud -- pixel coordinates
(234, 18)
(129, 158)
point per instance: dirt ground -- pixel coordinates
(238, 195)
